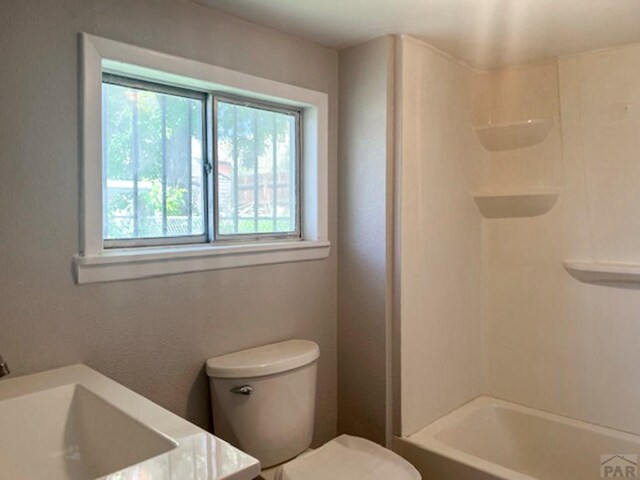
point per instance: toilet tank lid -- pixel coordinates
(265, 360)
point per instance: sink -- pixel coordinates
(76, 424)
(69, 433)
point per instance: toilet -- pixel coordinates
(264, 402)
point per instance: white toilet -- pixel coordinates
(264, 401)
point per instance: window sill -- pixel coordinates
(127, 264)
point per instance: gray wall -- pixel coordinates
(152, 335)
(366, 163)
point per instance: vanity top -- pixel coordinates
(74, 423)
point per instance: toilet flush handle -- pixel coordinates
(242, 390)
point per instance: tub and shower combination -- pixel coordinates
(488, 439)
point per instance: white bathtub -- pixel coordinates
(493, 439)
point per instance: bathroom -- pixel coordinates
(462, 258)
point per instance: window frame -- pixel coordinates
(210, 165)
(93, 263)
(271, 107)
(204, 97)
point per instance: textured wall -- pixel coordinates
(440, 245)
(366, 92)
(152, 335)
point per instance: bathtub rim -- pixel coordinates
(427, 437)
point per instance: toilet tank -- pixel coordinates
(264, 399)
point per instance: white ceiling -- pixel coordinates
(486, 34)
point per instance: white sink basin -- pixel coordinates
(70, 433)
(75, 424)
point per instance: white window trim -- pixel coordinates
(96, 264)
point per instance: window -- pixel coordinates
(188, 167)
(156, 173)
(257, 168)
(153, 153)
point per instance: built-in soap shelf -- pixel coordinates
(529, 203)
(600, 273)
(510, 136)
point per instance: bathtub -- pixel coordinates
(490, 439)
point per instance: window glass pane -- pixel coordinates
(257, 177)
(153, 148)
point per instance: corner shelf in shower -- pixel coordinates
(510, 136)
(516, 204)
(599, 273)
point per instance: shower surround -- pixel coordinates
(486, 306)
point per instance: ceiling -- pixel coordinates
(486, 34)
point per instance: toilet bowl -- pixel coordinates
(264, 403)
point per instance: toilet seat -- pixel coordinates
(348, 457)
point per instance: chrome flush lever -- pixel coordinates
(4, 368)
(242, 390)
